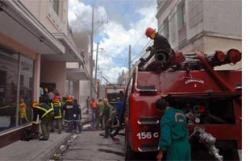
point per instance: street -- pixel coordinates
(90, 146)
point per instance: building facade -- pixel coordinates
(35, 44)
(205, 25)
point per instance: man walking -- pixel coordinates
(44, 112)
(174, 134)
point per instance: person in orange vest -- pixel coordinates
(23, 112)
(93, 106)
(57, 107)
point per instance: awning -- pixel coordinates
(19, 24)
(76, 74)
(70, 45)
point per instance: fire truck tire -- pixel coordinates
(130, 155)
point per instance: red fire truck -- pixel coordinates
(113, 92)
(211, 100)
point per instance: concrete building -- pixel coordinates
(35, 45)
(205, 25)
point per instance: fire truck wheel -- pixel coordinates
(130, 155)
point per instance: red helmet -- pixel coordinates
(56, 99)
(69, 98)
(35, 104)
(149, 31)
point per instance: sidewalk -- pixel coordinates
(33, 150)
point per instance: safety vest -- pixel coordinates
(41, 111)
(93, 104)
(58, 111)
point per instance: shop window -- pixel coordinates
(166, 28)
(181, 15)
(26, 90)
(8, 88)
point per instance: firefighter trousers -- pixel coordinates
(45, 127)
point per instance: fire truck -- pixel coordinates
(113, 93)
(210, 99)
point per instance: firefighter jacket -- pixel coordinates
(76, 112)
(174, 135)
(42, 111)
(57, 107)
(68, 109)
(161, 44)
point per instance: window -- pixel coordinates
(181, 15)
(8, 88)
(16, 89)
(55, 4)
(172, 28)
(166, 28)
(26, 89)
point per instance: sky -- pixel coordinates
(118, 24)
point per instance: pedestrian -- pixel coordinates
(87, 104)
(44, 112)
(108, 115)
(173, 134)
(23, 112)
(77, 126)
(100, 107)
(57, 119)
(68, 112)
(120, 107)
(93, 106)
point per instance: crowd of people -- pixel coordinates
(54, 111)
(105, 116)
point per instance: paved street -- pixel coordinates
(90, 146)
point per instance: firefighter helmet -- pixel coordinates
(149, 31)
(35, 104)
(56, 99)
(69, 98)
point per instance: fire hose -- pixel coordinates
(209, 141)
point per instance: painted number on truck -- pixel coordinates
(147, 135)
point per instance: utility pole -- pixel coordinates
(91, 56)
(96, 62)
(129, 61)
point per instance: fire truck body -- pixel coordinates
(113, 93)
(210, 99)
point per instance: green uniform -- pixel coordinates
(174, 136)
(108, 114)
(100, 107)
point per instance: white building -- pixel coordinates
(205, 25)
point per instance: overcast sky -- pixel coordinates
(123, 23)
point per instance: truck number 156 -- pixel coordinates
(147, 135)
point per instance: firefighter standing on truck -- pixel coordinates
(44, 112)
(174, 134)
(161, 47)
(57, 107)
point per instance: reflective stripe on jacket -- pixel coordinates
(57, 107)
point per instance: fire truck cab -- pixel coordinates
(211, 100)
